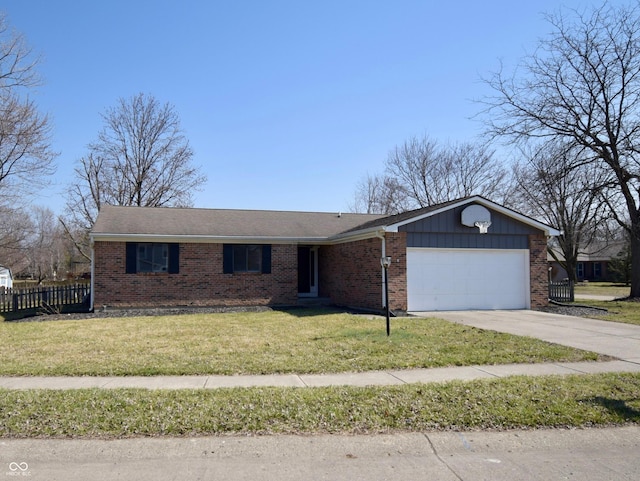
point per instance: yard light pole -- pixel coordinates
(386, 262)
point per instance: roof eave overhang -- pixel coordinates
(200, 239)
(356, 235)
(548, 230)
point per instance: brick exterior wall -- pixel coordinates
(200, 281)
(538, 271)
(350, 274)
(397, 274)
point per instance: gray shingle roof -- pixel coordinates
(383, 221)
(167, 221)
(119, 221)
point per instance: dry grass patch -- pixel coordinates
(509, 403)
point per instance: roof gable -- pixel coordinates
(420, 214)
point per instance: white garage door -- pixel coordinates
(462, 279)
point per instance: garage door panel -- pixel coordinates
(457, 279)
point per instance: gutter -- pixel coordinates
(92, 294)
(337, 239)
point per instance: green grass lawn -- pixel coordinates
(618, 311)
(297, 341)
(509, 403)
(602, 289)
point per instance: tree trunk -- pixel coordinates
(635, 260)
(571, 268)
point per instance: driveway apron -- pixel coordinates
(609, 338)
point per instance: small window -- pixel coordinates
(597, 270)
(152, 257)
(247, 258)
(580, 270)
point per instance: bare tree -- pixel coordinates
(141, 158)
(18, 66)
(15, 226)
(25, 152)
(380, 194)
(431, 174)
(567, 197)
(26, 158)
(582, 85)
(45, 246)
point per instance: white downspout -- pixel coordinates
(91, 285)
(380, 235)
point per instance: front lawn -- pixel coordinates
(618, 311)
(297, 341)
(509, 403)
(602, 289)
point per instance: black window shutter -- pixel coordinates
(174, 258)
(131, 258)
(227, 259)
(266, 259)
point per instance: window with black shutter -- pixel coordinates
(152, 257)
(246, 258)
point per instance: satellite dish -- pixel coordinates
(476, 216)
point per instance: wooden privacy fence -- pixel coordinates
(561, 291)
(50, 299)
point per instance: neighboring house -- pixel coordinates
(6, 278)
(593, 263)
(216, 257)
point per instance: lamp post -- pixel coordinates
(386, 262)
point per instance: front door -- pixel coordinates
(307, 271)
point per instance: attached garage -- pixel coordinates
(460, 279)
(473, 254)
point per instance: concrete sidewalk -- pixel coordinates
(594, 297)
(375, 378)
(584, 454)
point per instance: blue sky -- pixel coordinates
(287, 104)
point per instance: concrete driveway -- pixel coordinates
(610, 338)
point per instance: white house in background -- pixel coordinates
(6, 279)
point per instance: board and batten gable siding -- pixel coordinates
(445, 230)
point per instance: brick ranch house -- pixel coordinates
(213, 257)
